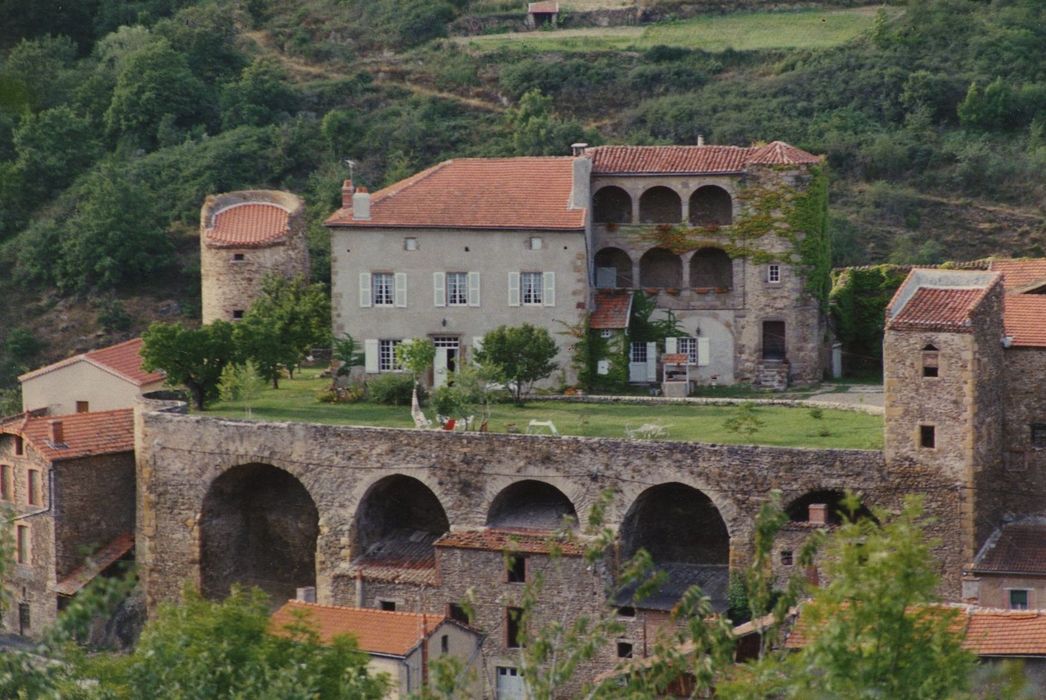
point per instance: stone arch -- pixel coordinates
(711, 206)
(621, 263)
(611, 205)
(660, 205)
(397, 512)
(798, 509)
(711, 267)
(258, 527)
(530, 504)
(660, 267)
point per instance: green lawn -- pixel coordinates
(295, 400)
(742, 32)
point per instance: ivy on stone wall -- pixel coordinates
(808, 216)
(857, 309)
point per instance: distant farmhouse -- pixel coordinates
(709, 233)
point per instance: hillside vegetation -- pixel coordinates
(117, 118)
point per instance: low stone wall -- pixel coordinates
(704, 401)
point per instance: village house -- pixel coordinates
(67, 489)
(400, 645)
(99, 380)
(709, 233)
(245, 236)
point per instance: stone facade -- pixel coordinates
(232, 269)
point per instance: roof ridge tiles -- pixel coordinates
(353, 608)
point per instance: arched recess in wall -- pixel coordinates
(798, 510)
(711, 206)
(687, 538)
(711, 267)
(398, 518)
(258, 527)
(660, 205)
(616, 263)
(660, 267)
(611, 205)
(530, 504)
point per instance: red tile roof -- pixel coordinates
(510, 540)
(1024, 316)
(401, 559)
(1020, 274)
(485, 193)
(96, 564)
(376, 631)
(1019, 548)
(650, 160)
(938, 309)
(1006, 632)
(83, 434)
(543, 7)
(612, 310)
(248, 225)
(123, 359)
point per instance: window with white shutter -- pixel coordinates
(383, 285)
(365, 299)
(457, 289)
(473, 289)
(401, 289)
(550, 289)
(513, 289)
(439, 289)
(532, 285)
(370, 355)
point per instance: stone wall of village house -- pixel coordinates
(179, 456)
(1025, 464)
(993, 590)
(94, 503)
(228, 284)
(491, 253)
(31, 582)
(753, 298)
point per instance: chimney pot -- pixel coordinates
(306, 594)
(818, 514)
(700, 140)
(57, 434)
(361, 204)
(346, 194)
(578, 149)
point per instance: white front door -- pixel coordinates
(637, 362)
(439, 368)
(510, 684)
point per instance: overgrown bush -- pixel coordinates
(393, 389)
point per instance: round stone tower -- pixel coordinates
(245, 236)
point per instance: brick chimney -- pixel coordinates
(361, 204)
(57, 434)
(818, 514)
(346, 194)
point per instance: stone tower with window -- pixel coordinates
(245, 236)
(943, 369)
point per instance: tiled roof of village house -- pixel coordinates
(484, 193)
(376, 631)
(95, 564)
(123, 359)
(248, 225)
(1018, 275)
(83, 434)
(652, 160)
(1018, 548)
(612, 310)
(1006, 632)
(1024, 316)
(543, 7)
(510, 540)
(939, 309)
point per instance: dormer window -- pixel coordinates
(930, 360)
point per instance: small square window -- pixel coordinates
(458, 613)
(516, 569)
(1018, 599)
(410, 244)
(535, 243)
(1038, 434)
(626, 611)
(624, 650)
(238, 257)
(387, 605)
(773, 274)
(786, 557)
(513, 628)
(237, 314)
(83, 407)
(606, 333)
(927, 436)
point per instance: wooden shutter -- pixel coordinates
(364, 289)
(549, 297)
(513, 289)
(477, 345)
(370, 355)
(704, 352)
(401, 289)
(651, 362)
(439, 288)
(473, 289)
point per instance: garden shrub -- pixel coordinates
(393, 389)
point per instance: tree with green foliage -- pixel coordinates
(347, 352)
(241, 381)
(190, 357)
(536, 130)
(53, 147)
(518, 356)
(744, 421)
(154, 81)
(416, 356)
(261, 96)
